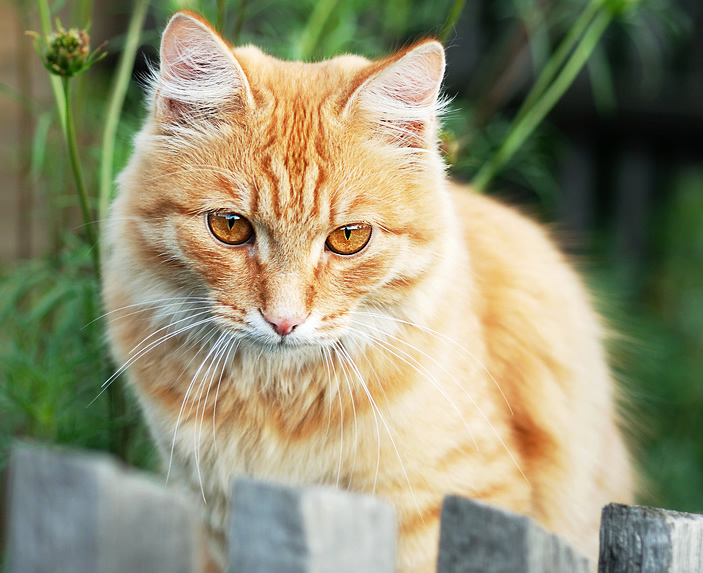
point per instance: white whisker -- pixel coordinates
(446, 339)
(423, 371)
(341, 418)
(182, 409)
(360, 379)
(375, 419)
(220, 348)
(233, 346)
(147, 306)
(434, 381)
(338, 347)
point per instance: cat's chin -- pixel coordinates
(284, 347)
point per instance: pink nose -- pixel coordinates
(283, 325)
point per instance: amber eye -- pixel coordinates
(349, 239)
(230, 228)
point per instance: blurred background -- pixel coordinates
(616, 168)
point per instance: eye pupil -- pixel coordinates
(349, 239)
(230, 228)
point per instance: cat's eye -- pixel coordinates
(230, 228)
(349, 239)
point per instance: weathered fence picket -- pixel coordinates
(650, 540)
(278, 529)
(79, 513)
(477, 538)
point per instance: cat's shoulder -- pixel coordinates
(523, 274)
(491, 222)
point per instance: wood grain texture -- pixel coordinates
(278, 529)
(648, 540)
(477, 538)
(79, 513)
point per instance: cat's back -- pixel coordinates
(521, 278)
(545, 347)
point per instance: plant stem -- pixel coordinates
(241, 15)
(72, 145)
(114, 107)
(522, 128)
(557, 60)
(45, 17)
(454, 14)
(310, 38)
(221, 15)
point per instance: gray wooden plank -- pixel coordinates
(77, 513)
(648, 540)
(478, 538)
(52, 513)
(279, 529)
(145, 527)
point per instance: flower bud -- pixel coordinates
(66, 53)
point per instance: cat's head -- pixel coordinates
(292, 197)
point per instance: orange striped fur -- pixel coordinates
(455, 353)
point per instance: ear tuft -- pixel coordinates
(199, 76)
(402, 99)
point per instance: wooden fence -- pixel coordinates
(84, 513)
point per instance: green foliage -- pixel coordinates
(672, 376)
(53, 358)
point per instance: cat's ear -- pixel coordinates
(199, 77)
(402, 97)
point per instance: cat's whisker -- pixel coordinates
(375, 408)
(341, 415)
(325, 359)
(373, 369)
(420, 369)
(144, 351)
(340, 351)
(201, 381)
(234, 345)
(146, 306)
(451, 402)
(217, 351)
(446, 339)
(168, 326)
(222, 345)
(200, 310)
(134, 358)
(375, 419)
(186, 396)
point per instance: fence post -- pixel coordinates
(79, 513)
(477, 538)
(649, 540)
(279, 529)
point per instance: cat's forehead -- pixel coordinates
(311, 193)
(294, 148)
(303, 82)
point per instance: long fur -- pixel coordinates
(455, 353)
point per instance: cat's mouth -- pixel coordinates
(268, 334)
(283, 347)
(265, 340)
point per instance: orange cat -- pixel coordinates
(301, 295)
